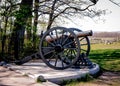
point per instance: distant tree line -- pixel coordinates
(105, 37)
(107, 34)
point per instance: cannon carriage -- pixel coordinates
(61, 48)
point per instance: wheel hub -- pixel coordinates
(59, 48)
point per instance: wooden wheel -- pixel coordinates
(59, 48)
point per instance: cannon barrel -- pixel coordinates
(78, 34)
(84, 33)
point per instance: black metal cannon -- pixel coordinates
(61, 47)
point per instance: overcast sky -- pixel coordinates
(112, 20)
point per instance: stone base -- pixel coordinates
(36, 69)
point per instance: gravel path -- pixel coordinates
(109, 78)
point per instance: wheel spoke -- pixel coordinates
(70, 48)
(69, 43)
(66, 39)
(51, 57)
(49, 52)
(47, 47)
(50, 43)
(68, 51)
(52, 39)
(67, 60)
(64, 58)
(56, 60)
(62, 37)
(84, 50)
(74, 53)
(83, 44)
(71, 53)
(62, 64)
(56, 35)
(82, 38)
(62, 61)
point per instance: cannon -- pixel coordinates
(61, 47)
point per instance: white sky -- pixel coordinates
(112, 20)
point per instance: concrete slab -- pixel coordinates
(11, 78)
(35, 69)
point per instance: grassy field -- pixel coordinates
(108, 57)
(115, 45)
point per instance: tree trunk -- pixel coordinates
(4, 36)
(51, 17)
(35, 23)
(19, 27)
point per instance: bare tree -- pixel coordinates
(116, 2)
(56, 8)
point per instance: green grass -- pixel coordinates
(108, 59)
(115, 45)
(107, 56)
(75, 82)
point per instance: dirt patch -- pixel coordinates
(108, 79)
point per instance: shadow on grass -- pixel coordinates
(109, 60)
(105, 54)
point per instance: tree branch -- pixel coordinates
(76, 9)
(118, 4)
